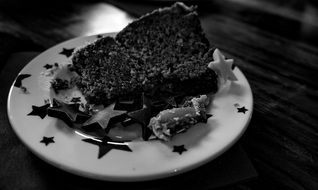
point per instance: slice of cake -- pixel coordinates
(104, 70)
(162, 52)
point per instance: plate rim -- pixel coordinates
(127, 178)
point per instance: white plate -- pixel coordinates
(148, 159)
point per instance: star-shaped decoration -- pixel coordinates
(47, 140)
(222, 66)
(69, 113)
(40, 111)
(179, 149)
(143, 116)
(205, 117)
(106, 144)
(242, 110)
(67, 52)
(48, 66)
(103, 118)
(18, 81)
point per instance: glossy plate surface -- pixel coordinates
(148, 159)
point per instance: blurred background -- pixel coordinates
(55, 20)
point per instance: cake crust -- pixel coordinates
(162, 53)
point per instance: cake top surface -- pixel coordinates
(166, 47)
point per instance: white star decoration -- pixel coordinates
(222, 66)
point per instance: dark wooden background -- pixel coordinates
(275, 44)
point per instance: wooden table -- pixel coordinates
(274, 44)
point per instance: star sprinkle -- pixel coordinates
(40, 111)
(242, 110)
(48, 66)
(143, 117)
(18, 81)
(205, 117)
(47, 140)
(67, 52)
(69, 113)
(106, 144)
(222, 66)
(179, 149)
(102, 118)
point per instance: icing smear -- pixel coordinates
(173, 121)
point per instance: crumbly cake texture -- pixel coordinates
(163, 51)
(104, 70)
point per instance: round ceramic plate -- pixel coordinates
(51, 139)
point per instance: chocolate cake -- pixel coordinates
(162, 52)
(104, 70)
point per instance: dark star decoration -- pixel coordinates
(179, 149)
(242, 110)
(103, 118)
(143, 116)
(48, 66)
(205, 117)
(40, 111)
(106, 144)
(47, 140)
(18, 81)
(67, 52)
(69, 113)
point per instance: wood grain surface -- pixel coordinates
(275, 45)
